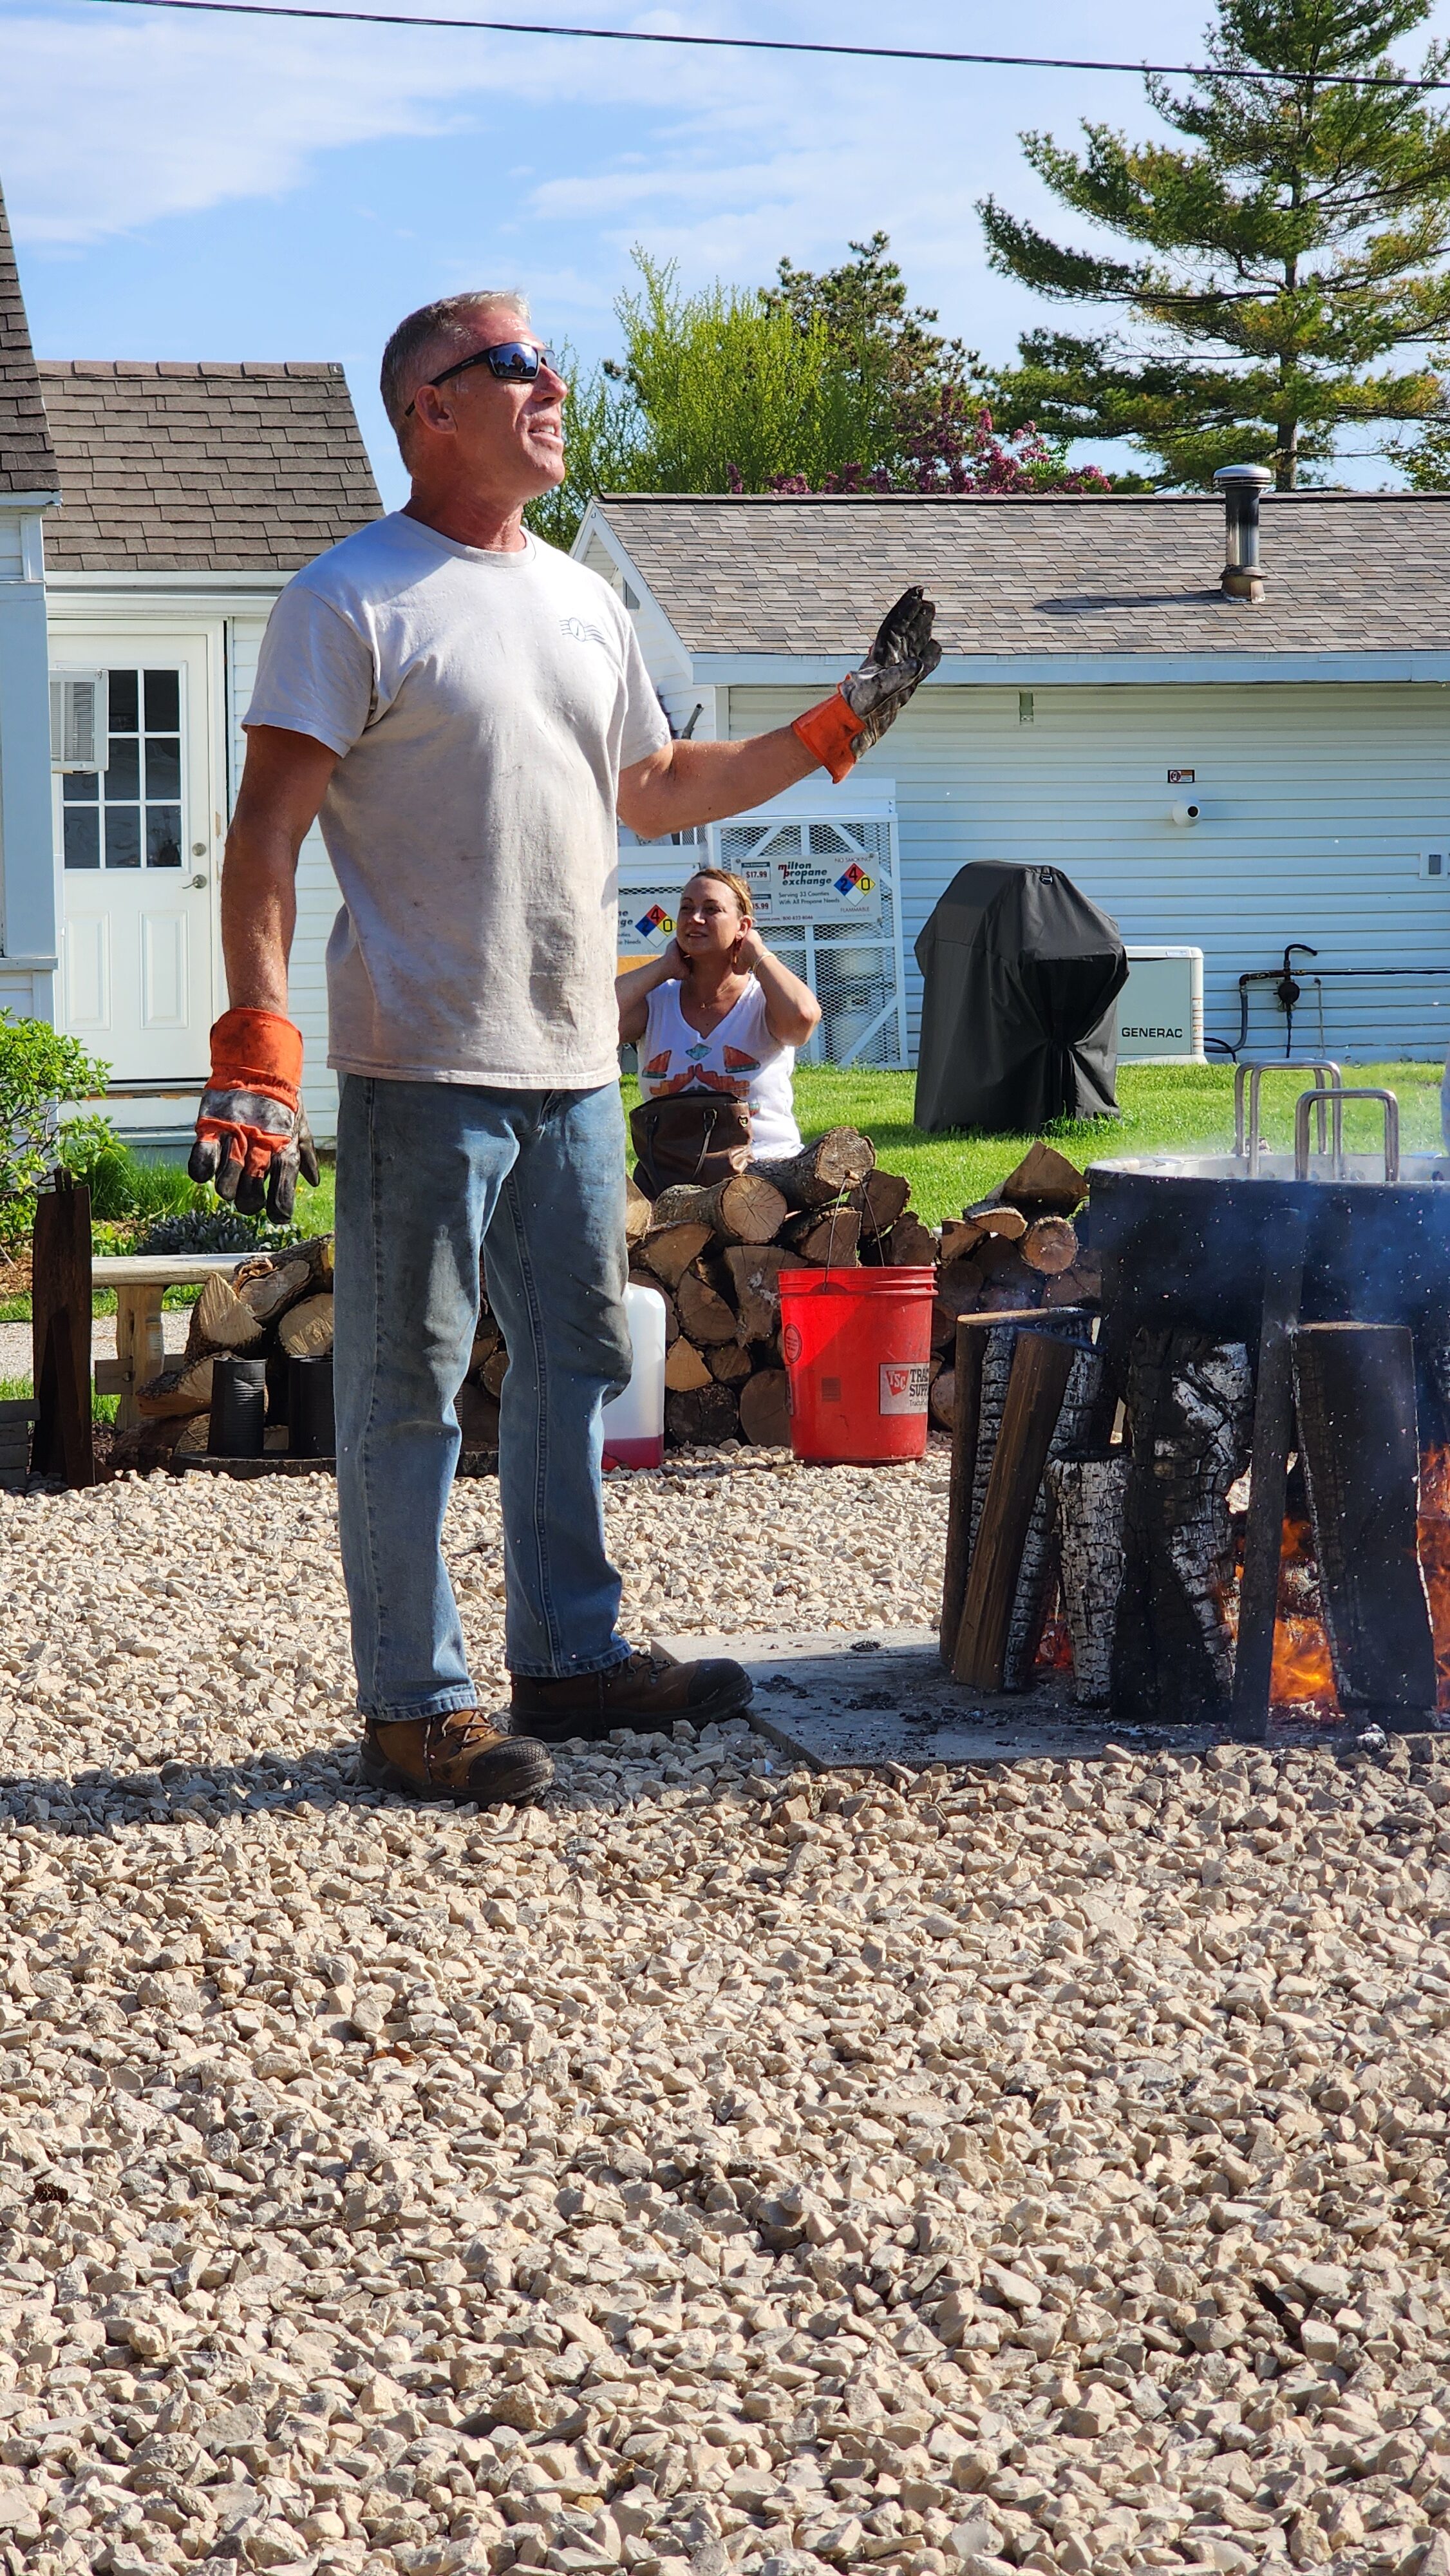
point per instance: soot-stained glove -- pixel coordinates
(871, 698)
(252, 1136)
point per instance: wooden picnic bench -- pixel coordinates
(140, 1281)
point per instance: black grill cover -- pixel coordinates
(1017, 1020)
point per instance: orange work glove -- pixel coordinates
(252, 1136)
(871, 698)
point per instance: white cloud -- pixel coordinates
(112, 123)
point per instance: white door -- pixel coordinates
(137, 847)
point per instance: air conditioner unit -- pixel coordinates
(78, 721)
(1160, 1008)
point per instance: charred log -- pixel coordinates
(1360, 1446)
(1190, 1404)
(1089, 1496)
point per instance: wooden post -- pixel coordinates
(1269, 1471)
(61, 1333)
(140, 1344)
(971, 1349)
(1360, 1443)
(1040, 1371)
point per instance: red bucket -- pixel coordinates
(857, 1348)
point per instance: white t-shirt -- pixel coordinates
(739, 1057)
(484, 705)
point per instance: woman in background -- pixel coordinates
(716, 1012)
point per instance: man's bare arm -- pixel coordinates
(702, 782)
(283, 785)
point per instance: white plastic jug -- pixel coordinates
(634, 1423)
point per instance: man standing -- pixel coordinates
(468, 710)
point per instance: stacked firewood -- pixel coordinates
(276, 1307)
(716, 1255)
(1014, 1250)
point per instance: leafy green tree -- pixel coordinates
(717, 391)
(909, 371)
(1293, 245)
(727, 379)
(41, 1072)
(604, 450)
(828, 383)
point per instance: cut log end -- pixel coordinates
(305, 1331)
(685, 1368)
(744, 1208)
(765, 1409)
(1049, 1245)
(837, 1162)
(670, 1252)
(825, 1242)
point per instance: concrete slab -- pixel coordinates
(847, 1702)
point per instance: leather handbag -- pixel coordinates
(700, 1136)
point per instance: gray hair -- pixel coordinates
(429, 338)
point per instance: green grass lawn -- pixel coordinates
(17, 1390)
(1170, 1107)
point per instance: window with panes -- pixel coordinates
(130, 816)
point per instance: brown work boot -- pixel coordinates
(459, 1755)
(647, 1694)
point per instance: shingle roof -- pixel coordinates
(27, 459)
(1357, 572)
(186, 468)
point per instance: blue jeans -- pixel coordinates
(426, 1172)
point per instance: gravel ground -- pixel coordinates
(708, 2169)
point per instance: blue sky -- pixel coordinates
(208, 189)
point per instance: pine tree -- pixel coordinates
(1292, 246)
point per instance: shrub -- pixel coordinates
(92, 1152)
(123, 1184)
(216, 1229)
(41, 1072)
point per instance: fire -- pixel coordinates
(1434, 1546)
(1303, 1675)
(1054, 1654)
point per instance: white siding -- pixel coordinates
(665, 657)
(1317, 801)
(317, 896)
(29, 883)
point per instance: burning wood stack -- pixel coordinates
(1128, 1520)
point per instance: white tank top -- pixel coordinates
(739, 1057)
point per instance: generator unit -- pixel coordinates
(1160, 1008)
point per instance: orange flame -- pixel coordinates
(1434, 1546)
(1302, 1675)
(1054, 1654)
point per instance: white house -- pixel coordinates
(149, 515)
(1094, 679)
(1095, 683)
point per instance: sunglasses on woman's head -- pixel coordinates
(514, 362)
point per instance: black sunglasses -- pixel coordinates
(514, 362)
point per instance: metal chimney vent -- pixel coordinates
(1241, 486)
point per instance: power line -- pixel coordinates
(772, 44)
